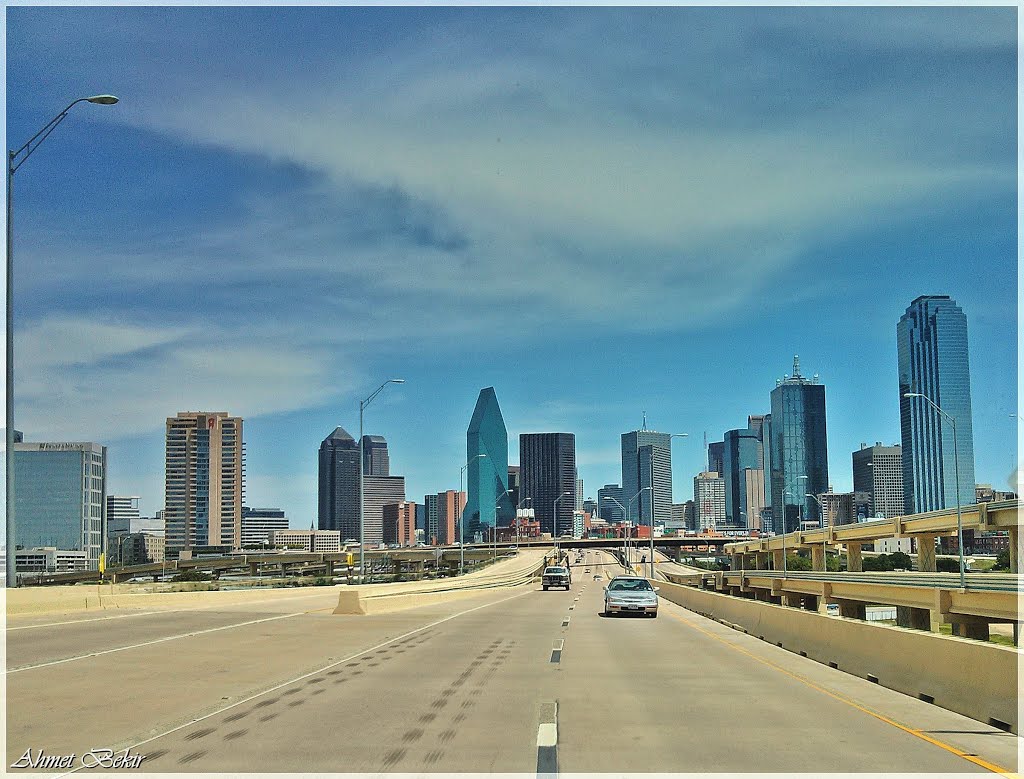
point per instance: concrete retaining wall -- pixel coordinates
(976, 679)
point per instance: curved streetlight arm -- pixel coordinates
(48, 128)
(377, 391)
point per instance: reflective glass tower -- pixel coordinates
(486, 477)
(931, 340)
(741, 452)
(647, 462)
(338, 483)
(798, 449)
(547, 464)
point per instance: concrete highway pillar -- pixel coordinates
(330, 568)
(854, 561)
(976, 629)
(253, 568)
(777, 560)
(926, 553)
(852, 609)
(914, 618)
(737, 562)
(817, 558)
(761, 561)
(1014, 550)
(795, 600)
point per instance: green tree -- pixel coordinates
(192, 575)
(1002, 561)
(797, 563)
(900, 560)
(946, 565)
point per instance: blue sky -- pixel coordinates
(599, 212)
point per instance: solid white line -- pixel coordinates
(547, 734)
(172, 611)
(190, 723)
(154, 641)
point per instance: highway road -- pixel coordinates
(472, 685)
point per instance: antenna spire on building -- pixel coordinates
(645, 420)
(796, 366)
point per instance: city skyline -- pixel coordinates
(675, 278)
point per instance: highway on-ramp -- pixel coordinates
(508, 680)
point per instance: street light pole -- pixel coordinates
(494, 530)
(458, 516)
(362, 517)
(625, 530)
(630, 510)
(554, 519)
(670, 437)
(824, 533)
(956, 471)
(13, 163)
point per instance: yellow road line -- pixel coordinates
(912, 731)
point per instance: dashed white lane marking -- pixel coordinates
(314, 672)
(547, 741)
(154, 641)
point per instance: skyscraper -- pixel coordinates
(709, 501)
(122, 510)
(338, 484)
(741, 452)
(259, 523)
(547, 465)
(486, 477)
(878, 471)
(651, 467)
(451, 504)
(607, 508)
(931, 340)
(61, 495)
(205, 469)
(375, 456)
(716, 452)
(799, 457)
(379, 491)
(430, 524)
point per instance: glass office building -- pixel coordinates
(487, 500)
(647, 462)
(798, 452)
(931, 340)
(60, 497)
(338, 484)
(741, 452)
(547, 465)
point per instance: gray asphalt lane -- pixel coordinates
(640, 694)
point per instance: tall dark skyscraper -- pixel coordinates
(375, 456)
(716, 454)
(878, 471)
(607, 508)
(486, 477)
(741, 452)
(798, 449)
(547, 468)
(931, 340)
(647, 462)
(430, 526)
(338, 484)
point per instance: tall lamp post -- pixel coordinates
(494, 530)
(824, 533)
(956, 471)
(554, 518)
(625, 534)
(458, 515)
(362, 519)
(15, 159)
(630, 512)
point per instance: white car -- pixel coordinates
(630, 595)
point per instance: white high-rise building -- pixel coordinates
(709, 500)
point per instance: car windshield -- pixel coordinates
(553, 570)
(629, 585)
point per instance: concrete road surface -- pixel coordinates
(468, 686)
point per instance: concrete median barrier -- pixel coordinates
(973, 678)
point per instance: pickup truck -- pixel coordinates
(556, 576)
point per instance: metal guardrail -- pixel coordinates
(979, 582)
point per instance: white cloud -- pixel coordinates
(80, 378)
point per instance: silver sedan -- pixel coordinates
(630, 595)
